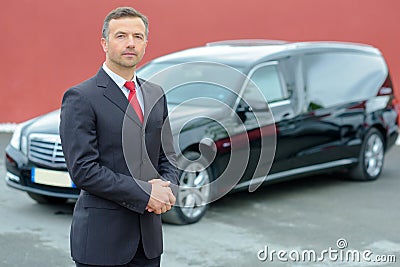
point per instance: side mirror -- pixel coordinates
(241, 111)
(255, 107)
(244, 109)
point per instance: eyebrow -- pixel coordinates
(135, 33)
(119, 32)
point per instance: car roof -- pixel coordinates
(247, 52)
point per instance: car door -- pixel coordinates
(266, 84)
(320, 131)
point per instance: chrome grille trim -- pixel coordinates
(46, 150)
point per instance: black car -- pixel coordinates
(331, 107)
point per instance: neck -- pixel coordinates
(124, 72)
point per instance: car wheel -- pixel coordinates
(42, 199)
(194, 191)
(371, 157)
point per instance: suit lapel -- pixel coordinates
(147, 99)
(113, 93)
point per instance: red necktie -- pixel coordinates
(132, 98)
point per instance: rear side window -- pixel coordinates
(337, 78)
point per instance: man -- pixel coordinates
(115, 155)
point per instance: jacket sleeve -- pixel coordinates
(167, 164)
(80, 147)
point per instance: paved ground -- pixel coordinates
(300, 216)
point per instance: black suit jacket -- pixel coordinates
(110, 156)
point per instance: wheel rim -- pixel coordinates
(194, 190)
(373, 157)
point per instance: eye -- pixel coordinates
(139, 37)
(120, 36)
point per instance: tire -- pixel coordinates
(43, 199)
(371, 159)
(192, 203)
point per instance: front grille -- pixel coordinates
(46, 150)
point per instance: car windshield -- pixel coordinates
(195, 80)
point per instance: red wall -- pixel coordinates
(48, 46)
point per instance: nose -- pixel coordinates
(131, 41)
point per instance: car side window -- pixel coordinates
(341, 77)
(267, 81)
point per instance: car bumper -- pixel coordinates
(18, 176)
(13, 181)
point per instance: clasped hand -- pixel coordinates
(161, 197)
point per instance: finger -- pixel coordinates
(160, 182)
(172, 199)
(165, 183)
(152, 181)
(158, 211)
(166, 201)
(164, 209)
(150, 210)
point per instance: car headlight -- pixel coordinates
(20, 142)
(16, 137)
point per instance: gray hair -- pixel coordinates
(123, 12)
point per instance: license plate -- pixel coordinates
(51, 177)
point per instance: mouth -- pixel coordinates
(129, 54)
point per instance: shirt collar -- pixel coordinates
(118, 79)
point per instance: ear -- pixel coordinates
(144, 48)
(104, 44)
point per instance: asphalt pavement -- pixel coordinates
(314, 221)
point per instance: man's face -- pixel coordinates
(126, 43)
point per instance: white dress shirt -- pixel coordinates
(121, 82)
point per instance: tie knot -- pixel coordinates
(130, 86)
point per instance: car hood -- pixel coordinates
(47, 123)
(179, 116)
(183, 114)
